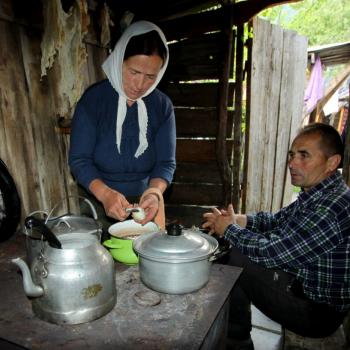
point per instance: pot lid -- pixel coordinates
(175, 243)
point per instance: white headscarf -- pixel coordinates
(113, 70)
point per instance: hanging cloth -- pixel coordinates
(315, 88)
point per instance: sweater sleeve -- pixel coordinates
(82, 143)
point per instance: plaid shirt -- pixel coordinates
(310, 239)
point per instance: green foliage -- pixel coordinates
(321, 21)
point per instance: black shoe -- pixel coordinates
(234, 344)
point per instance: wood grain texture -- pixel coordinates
(278, 77)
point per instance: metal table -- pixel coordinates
(190, 321)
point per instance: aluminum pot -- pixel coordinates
(175, 261)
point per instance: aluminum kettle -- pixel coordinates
(73, 283)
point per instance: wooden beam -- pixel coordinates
(334, 86)
(223, 102)
(210, 21)
(237, 137)
(346, 159)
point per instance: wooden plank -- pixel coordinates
(237, 131)
(16, 133)
(197, 151)
(266, 81)
(257, 118)
(273, 78)
(205, 64)
(290, 111)
(275, 112)
(197, 173)
(299, 60)
(189, 95)
(194, 194)
(200, 122)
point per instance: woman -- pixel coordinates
(123, 131)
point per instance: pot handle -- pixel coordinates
(109, 244)
(218, 254)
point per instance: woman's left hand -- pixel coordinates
(150, 204)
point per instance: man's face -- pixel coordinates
(139, 74)
(308, 165)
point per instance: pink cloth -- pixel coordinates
(315, 88)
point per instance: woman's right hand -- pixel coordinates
(114, 202)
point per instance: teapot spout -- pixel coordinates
(31, 289)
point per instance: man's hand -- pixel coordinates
(217, 221)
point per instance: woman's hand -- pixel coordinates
(150, 204)
(217, 221)
(114, 202)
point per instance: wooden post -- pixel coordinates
(237, 132)
(221, 143)
(247, 119)
(346, 160)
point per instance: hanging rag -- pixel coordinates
(315, 88)
(113, 70)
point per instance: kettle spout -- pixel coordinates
(30, 288)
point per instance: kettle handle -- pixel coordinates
(31, 222)
(87, 201)
(93, 210)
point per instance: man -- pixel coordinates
(296, 262)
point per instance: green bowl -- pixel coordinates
(121, 250)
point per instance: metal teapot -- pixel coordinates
(67, 223)
(72, 279)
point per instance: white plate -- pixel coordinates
(131, 228)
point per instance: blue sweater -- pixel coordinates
(93, 151)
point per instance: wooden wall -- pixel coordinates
(279, 59)
(192, 82)
(31, 144)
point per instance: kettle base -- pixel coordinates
(76, 316)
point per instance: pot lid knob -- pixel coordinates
(174, 229)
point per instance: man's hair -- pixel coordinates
(146, 44)
(331, 142)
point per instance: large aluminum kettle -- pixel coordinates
(72, 280)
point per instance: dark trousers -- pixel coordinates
(279, 297)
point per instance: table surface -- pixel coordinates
(178, 322)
